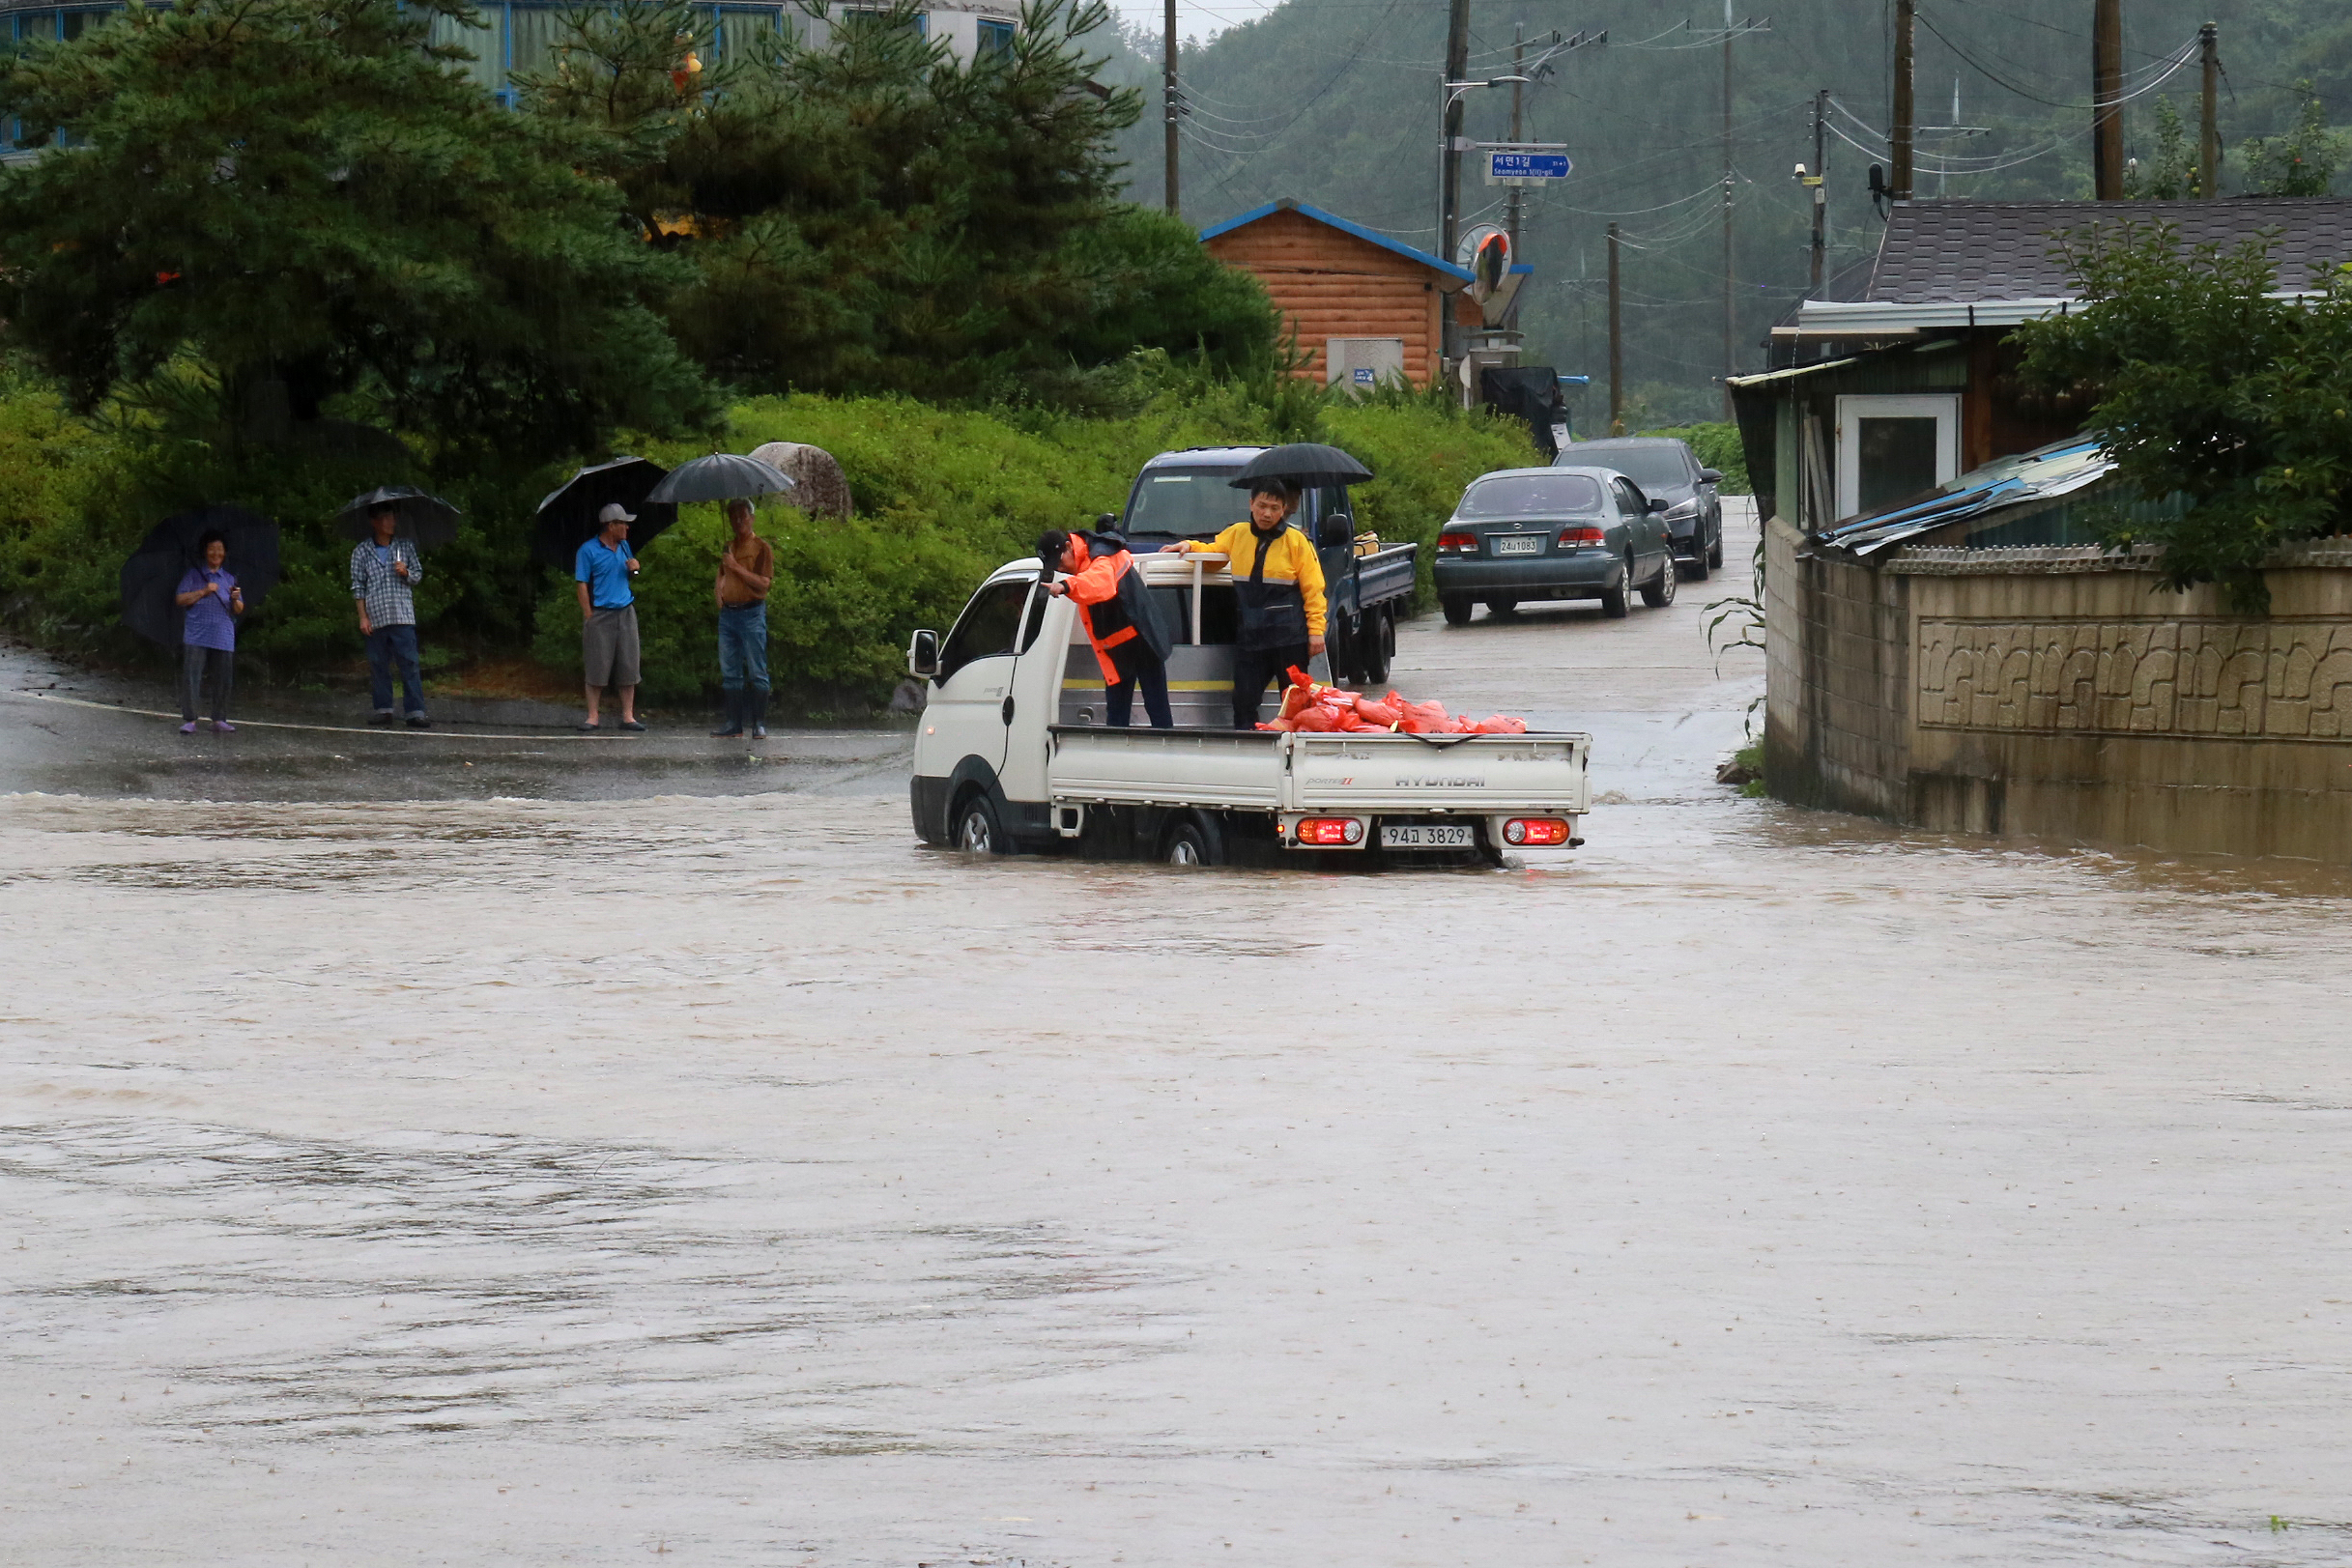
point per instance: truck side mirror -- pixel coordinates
(1707, 476)
(1336, 530)
(923, 655)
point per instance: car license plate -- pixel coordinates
(1519, 544)
(1425, 835)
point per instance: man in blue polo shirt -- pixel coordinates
(608, 614)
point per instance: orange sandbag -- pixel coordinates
(1316, 719)
(1382, 713)
(1498, 723)
(1281, 726)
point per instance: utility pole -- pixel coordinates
(1170, 89)
(1617, 346)
(1820, 186)
(1899, 187)
(1728, 305)
(2106, 100)
(1449, 168)
(1518, 193)
(2209, 125)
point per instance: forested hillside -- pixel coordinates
(1335, 102)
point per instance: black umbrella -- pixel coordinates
(722, 476)
(1302, 462)
(151, 577)
(567, 517)
(427, 519)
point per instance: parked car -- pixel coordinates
(1666, 470)
(1561, 532)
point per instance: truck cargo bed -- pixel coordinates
(1270, 771)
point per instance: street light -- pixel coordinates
(1446, 148)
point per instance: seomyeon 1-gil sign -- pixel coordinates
(1526, 168)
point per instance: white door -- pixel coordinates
(1891, 449)
(965, 714)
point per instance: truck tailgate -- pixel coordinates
(1439, 775)
(1166, 767)
(1385, 574)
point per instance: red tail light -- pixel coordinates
(1570, 538)
(1332, 832)
(1457, 541)
(1536, 830)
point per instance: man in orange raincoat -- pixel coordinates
(1101, 579)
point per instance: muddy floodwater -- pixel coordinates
(724, 1178)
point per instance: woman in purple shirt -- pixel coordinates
(213, 601)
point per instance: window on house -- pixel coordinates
(1893, 448)
(995, 38)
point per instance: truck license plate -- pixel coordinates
(1427, 837)
(1519, 544)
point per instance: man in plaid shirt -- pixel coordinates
(384, 577)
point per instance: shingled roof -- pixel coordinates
(1978, 253)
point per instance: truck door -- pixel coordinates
(970, 697)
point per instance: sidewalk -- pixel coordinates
(65, 730)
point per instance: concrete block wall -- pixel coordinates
(1837, 671)
(2051, 693)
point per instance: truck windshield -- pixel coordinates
(1186, 501)
(1652, 468)
(1546, 494)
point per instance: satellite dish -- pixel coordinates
(1486, 252)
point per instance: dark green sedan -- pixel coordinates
(1523, 534)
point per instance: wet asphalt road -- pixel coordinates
(477, 1178)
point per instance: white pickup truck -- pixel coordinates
(1012, 753)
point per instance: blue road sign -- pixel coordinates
(1528, 165)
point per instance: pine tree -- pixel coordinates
(306, 191)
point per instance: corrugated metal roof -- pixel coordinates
(2042, 475)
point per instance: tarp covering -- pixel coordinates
(2041, 474)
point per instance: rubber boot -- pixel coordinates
(758, 714)
(732, 728)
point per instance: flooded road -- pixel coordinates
(720, 1177)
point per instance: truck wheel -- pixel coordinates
(1187, 845)
(1456, 609)
(1346, 650)
(1500, 607)
(1376, 636)
(1659, 595)
(1613, 598)
(978, 832)
(1714, 551)
(1698, 568)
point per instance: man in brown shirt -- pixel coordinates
(747, 565)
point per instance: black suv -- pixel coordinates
(1666, 470)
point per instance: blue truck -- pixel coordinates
(1189, 494)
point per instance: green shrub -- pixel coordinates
(942, 497)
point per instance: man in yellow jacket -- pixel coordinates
(1277, 580)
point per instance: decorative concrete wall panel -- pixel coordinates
(2057, 693)
(2284, 680)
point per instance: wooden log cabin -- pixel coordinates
(1331, 279)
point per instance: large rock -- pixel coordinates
(820, 488)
